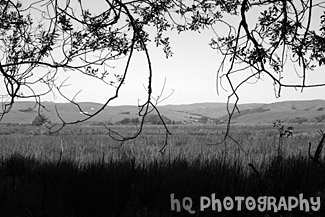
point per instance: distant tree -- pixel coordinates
(203, 119)
(156, 120)
(125, 121)
(40, 119)
(135, 121)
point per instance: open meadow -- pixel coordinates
(81, 171)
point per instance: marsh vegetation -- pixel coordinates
(83, 172)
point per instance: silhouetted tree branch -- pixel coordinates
(271, 39)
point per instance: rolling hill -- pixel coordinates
(312, 111)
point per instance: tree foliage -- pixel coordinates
(40, 39)
(157, 120)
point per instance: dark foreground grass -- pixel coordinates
(30, 187)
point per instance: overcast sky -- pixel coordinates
(190, 76)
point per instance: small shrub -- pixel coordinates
(40, 120)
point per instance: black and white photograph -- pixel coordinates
(162, 108)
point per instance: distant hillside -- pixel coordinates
(211, 110)
(312, 111)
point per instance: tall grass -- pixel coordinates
(30, 187)
(81, 174)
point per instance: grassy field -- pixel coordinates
(83, 172)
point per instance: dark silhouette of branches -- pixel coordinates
(271, 39)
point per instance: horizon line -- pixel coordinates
(170, 104)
